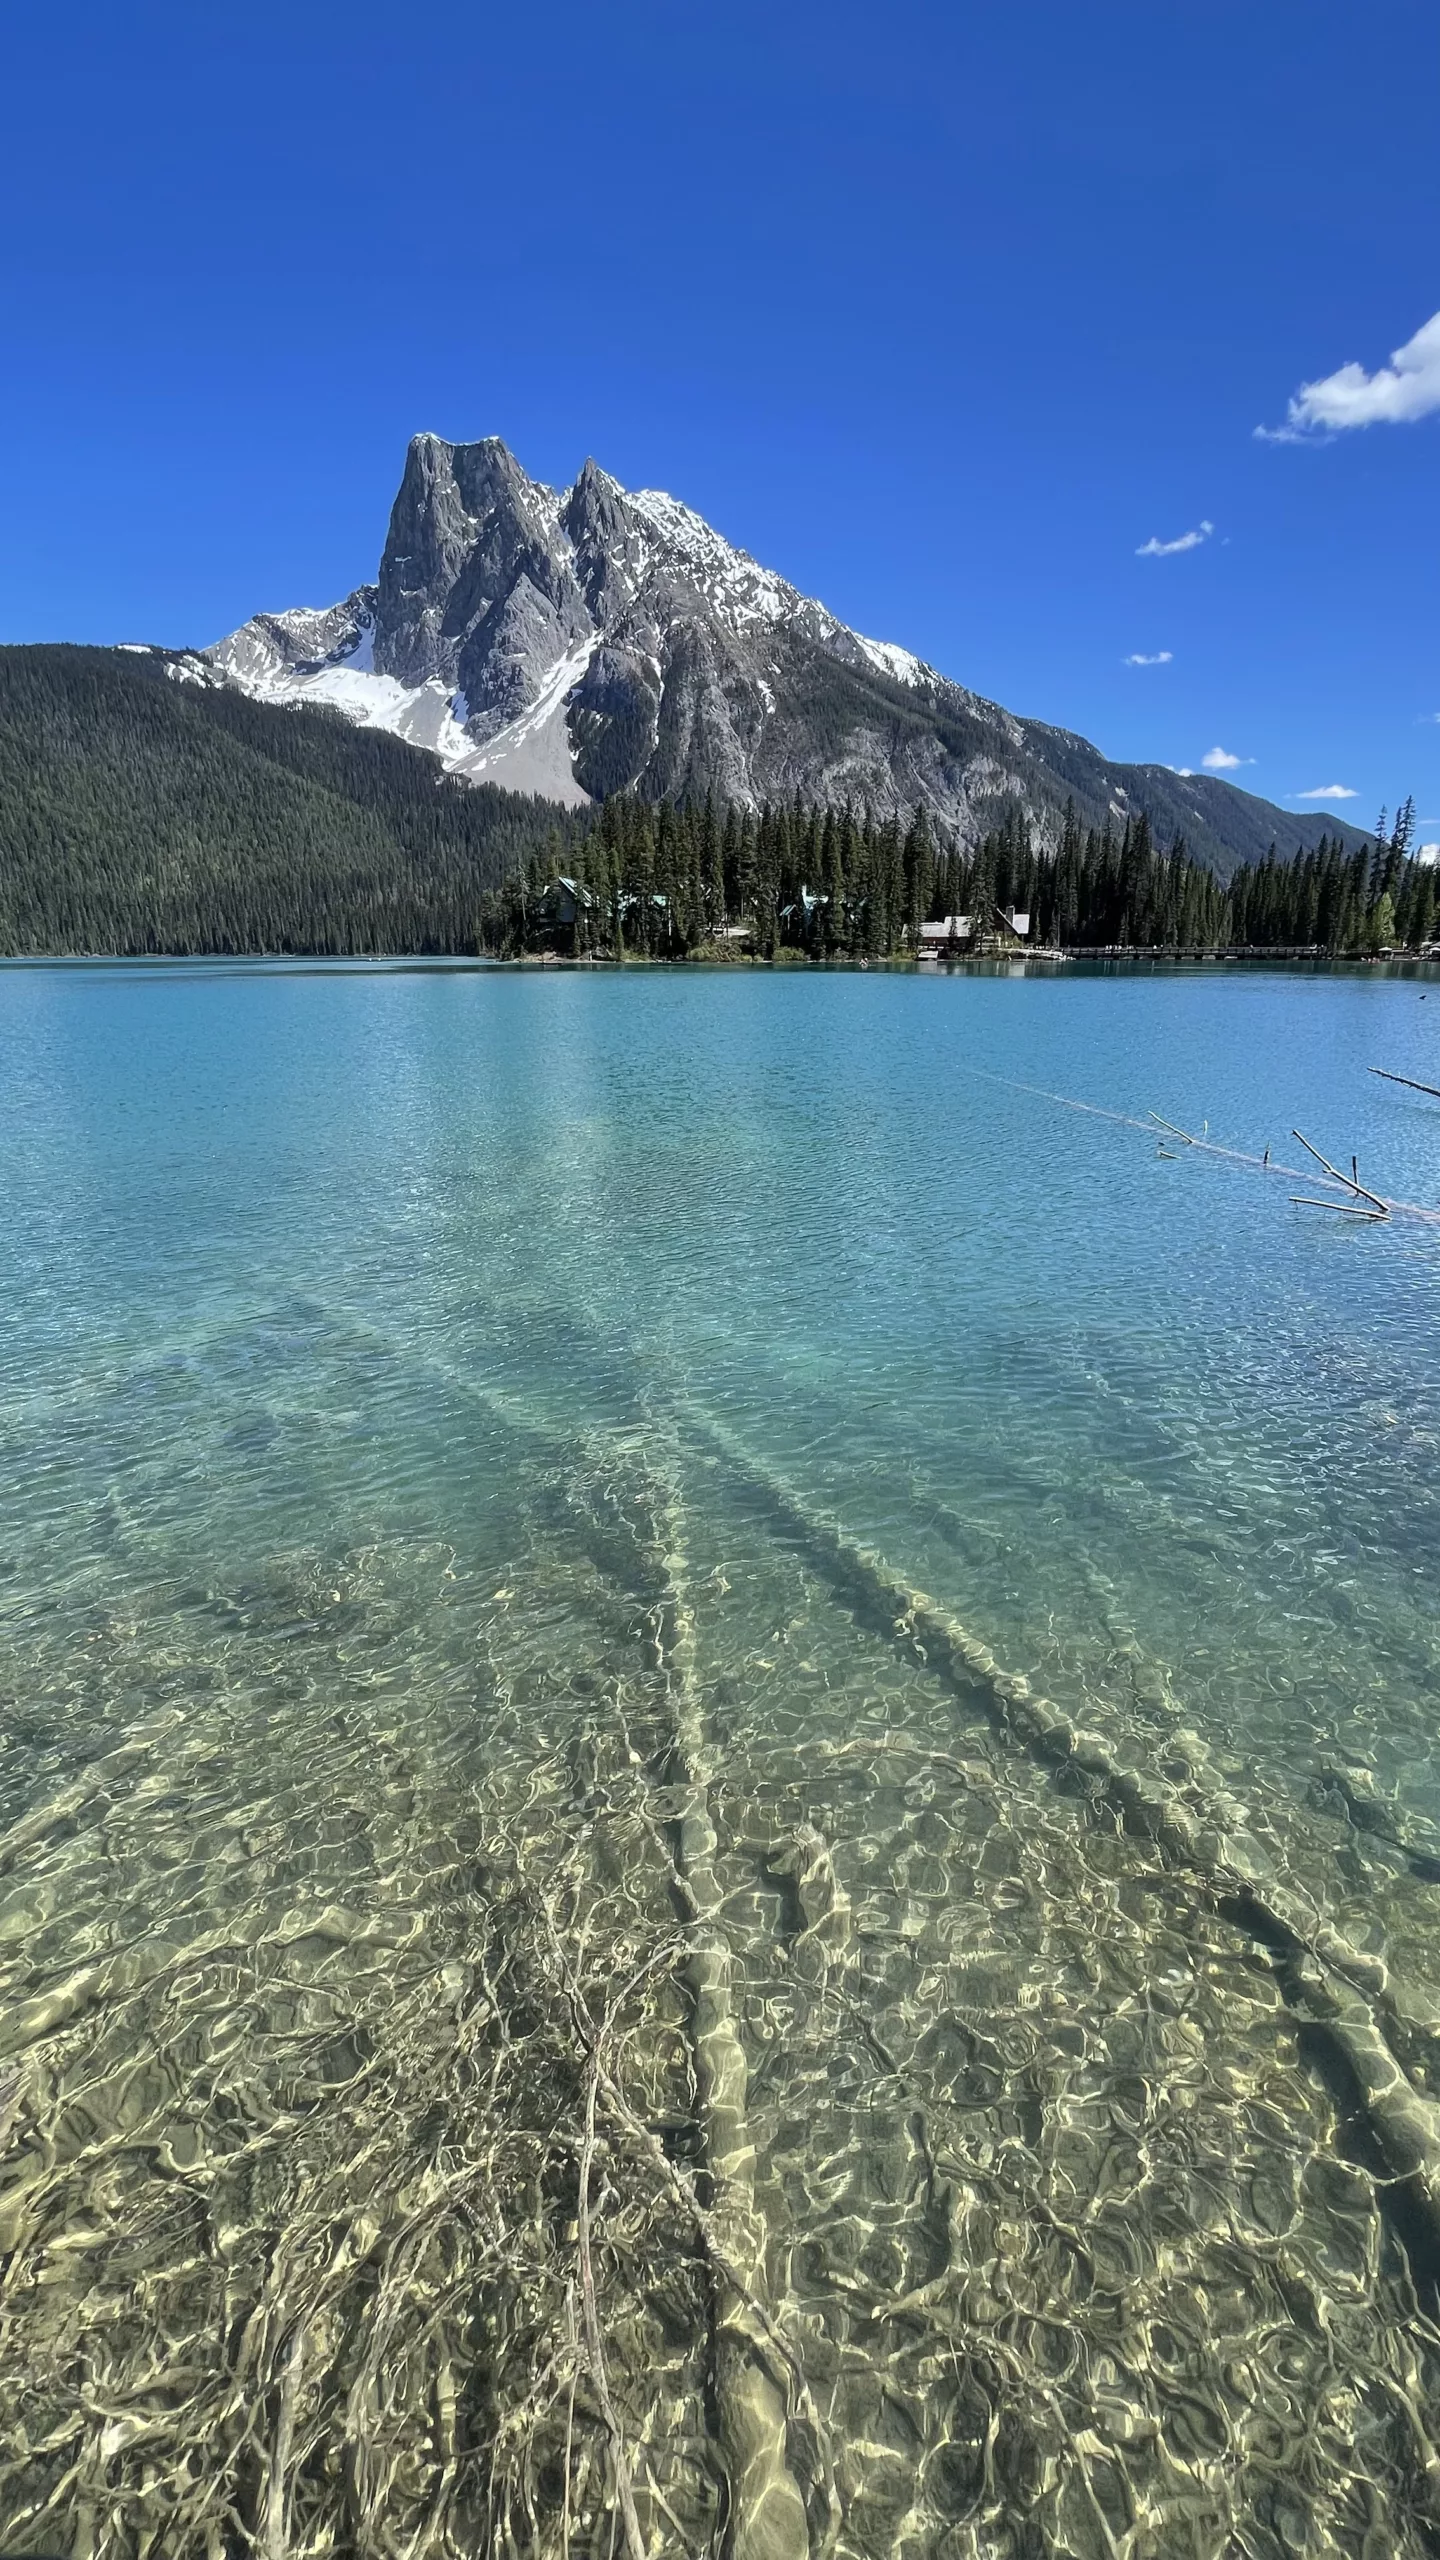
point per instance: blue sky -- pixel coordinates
(945, 311)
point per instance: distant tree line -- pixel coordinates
(1373, 899)
(807, 880)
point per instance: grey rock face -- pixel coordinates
(472, 572)
(301, 642)
(607, 639)
(613, 719)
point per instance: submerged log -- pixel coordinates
(769, 2520)
(1344, 1990)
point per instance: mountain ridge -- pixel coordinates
(574, 643)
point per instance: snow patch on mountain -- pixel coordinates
(894, 661)
(420, 713)
(188, 669)
(534, 752)
(737, 587)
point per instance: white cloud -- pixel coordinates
(1326, 791)
(1397, 393)
(1427, 853)
(1155, 549)
(1218, 760)
(1137, 658)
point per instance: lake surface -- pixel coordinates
(471, 1443)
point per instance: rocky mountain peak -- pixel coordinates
(596, 510)
(607, 639)
(469, 533)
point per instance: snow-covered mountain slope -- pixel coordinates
(598, 639)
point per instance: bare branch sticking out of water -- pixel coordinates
(1415, 1087)
(1205, 1145)
(1342, 1208)
(1347, 1181)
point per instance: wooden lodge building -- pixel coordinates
(966, 937)
(568, 915)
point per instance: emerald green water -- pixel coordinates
(440, 1415)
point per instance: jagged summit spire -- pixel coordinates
(596, 518)
(460, 444)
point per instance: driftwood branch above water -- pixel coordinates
(1375, 1209)
(1347, 1181)
(1342, 1208)
(1411, 1081)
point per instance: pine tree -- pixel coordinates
(919, 872)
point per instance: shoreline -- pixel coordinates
(981, 964)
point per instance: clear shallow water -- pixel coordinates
(429, 1405)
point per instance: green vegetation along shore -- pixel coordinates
(141, 812)
(827, 884)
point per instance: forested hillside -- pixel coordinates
(143, 814)
(147, 807)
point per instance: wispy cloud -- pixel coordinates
(1396, 394)
(1220, 760)
(1137, 658)
(1327, 791)
(1155, 549)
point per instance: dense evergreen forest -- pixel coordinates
(1377, 899)
(143, 812)
(828, 883)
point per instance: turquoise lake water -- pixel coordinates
(451, 1422)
